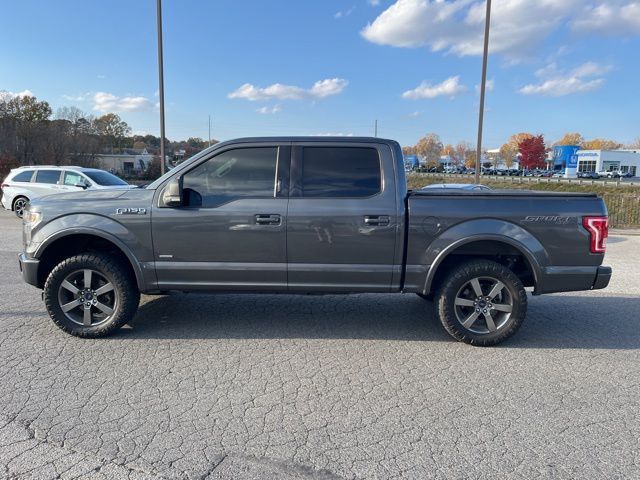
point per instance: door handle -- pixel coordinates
(376, 220)
(268, 219)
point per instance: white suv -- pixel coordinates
(25, 183)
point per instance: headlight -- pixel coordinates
(31, 218)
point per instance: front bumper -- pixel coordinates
(29, 269)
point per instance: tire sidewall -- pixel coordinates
(15, 204)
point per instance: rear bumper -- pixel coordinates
(573, 279)
(29, 269)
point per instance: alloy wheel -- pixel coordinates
(87, 297)
(483, 305)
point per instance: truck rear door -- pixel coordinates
(342, 220)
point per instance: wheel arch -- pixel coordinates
(459, 245)
(64, 244)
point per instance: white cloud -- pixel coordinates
(77, 98)
(457, 26)
(374, 3)
(269, 110)
(448, 88)
(609, 18)
(415, 114)
(344, 13)
(557, 83)
(320, 89)
(6, 95)
(108, 102)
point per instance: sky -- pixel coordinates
(319, 67)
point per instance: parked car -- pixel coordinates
(610, 174)
(24, 184)
(311, 215)
(592, 175)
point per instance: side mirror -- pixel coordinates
(82, 185)
(172, 194)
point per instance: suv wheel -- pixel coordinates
(19, 204)
(481, 302)
(91, 295)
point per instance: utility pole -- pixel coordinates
(161, 86)
(483, 85)
(375, 128)
(209, 130)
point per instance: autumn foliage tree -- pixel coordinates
(572, 138)
(532, 151)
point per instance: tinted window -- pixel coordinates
(244, 172)
(48, 176)
(340, 172)
(103, 178)
(72, 178)
(23, 176)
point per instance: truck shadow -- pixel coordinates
(555, 321)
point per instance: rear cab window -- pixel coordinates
(340, 172)
(23, 176)
(48, 176)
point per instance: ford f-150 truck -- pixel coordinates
(310, 215)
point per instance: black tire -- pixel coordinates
(106, 273)
(19, 204)
(496, 319)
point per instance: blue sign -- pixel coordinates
(564, 156)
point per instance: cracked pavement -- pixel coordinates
(295, 387)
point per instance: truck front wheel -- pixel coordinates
(481, 302)
(91, 295)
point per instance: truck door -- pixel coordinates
(230, 231)
(342, 220)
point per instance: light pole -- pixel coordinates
(482, 90)
(161, 84)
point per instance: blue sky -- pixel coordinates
(310, 67)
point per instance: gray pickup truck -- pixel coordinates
(310, 215)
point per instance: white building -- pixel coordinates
(125, 163)
(608, 160)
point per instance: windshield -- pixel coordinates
(105, 179)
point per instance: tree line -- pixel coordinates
(31, 134)
(530, 150)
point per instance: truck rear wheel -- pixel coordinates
(481, 302)
(91, 295)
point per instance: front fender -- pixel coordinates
(483, 230)
(125, 239)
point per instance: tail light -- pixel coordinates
(4, 185)
(598, 228)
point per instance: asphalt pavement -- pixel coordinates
(295, 387)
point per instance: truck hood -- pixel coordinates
(85, 196)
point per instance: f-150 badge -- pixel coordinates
(131, 211)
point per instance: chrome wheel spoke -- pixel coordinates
(502, 307)
(463, 302)
(70, 286)
(87, 278)
(497, 288)
(86, 318)
(104, 308)
(470, 320)
(71, 305)
(477, 289)
(107, 287)
(491, 325)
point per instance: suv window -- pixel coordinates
(48, 176)
(73, 178)
(243, 172)
(23, 176)
(340, 172)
